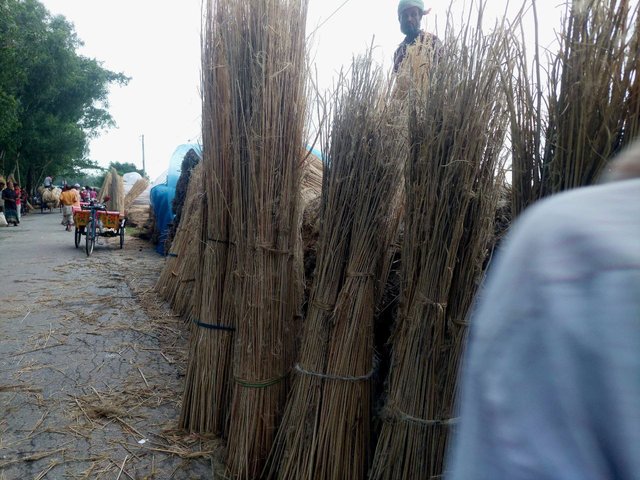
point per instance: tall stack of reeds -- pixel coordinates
(177, 279)
(247, 290)
(564, 138)
(310, 190)
(190, 160)
(113, 187)
(116, 203)
(105, 189)
(325, 432)
(207, 394)
(525, 99)
(457, 127)
(263, 53)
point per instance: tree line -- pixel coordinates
(52, 99)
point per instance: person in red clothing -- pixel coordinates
(24, 201)
(18, 190)
(84, 194)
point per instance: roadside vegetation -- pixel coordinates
(52, 99)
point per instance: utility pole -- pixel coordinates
(144, 170)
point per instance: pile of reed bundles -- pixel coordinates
(135, 191)
(269, 75)
(139, 214)
(564, 137)
(206, 399)
(248, 287)
(325, 432)
(113, 187)
(190, 160)
(50, 196)
(447, 139)
(457, 125)
(105, 189)
(177, 279)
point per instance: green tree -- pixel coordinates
(11, 76)
(52, 100)
(126, 167)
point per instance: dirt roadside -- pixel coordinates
(91, 362)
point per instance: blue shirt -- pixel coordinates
(551, 380)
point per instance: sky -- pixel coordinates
(157, 44)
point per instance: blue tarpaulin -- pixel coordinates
(162, 194)
(316, 152)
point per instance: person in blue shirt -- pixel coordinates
(551, 379)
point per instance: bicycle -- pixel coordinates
(92, 224)
(95, 221)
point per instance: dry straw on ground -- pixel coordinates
(576, 109)
(457, 128)
(325, 431)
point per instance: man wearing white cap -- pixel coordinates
(410, 13)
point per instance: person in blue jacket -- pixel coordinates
(551, 380)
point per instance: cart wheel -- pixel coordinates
(78, 235)
(122, 236)
(90, 238)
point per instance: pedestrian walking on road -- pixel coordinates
(10, 211)
(68, 199)
(18, 191)
(2, 186)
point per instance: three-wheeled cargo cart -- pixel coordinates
(93, 221)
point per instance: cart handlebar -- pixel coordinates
(94, 206)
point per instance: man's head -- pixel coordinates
(410, 13)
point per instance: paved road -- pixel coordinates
(91, 362)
